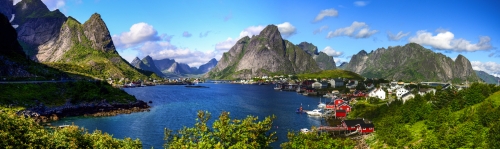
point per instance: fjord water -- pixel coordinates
(176, 106)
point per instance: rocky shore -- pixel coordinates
(45, 114)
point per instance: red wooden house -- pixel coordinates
(365, 128)
(344, 106)
(340, 113)
(333, 105)
(351, 124)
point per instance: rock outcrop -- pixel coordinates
(97, 32)
(324, 61)
(411, 62)
(37, 24)
(263, 54)
(8, 39)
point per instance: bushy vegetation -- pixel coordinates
(469, 118)
(224, 133)
(336, 73)
(20, 132)
(55, 94)
(316, 141)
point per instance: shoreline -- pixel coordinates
(42, 114)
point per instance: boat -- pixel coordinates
(304, 130)
(278, 87)
(315, 112)
(321, 105)
(299, 110)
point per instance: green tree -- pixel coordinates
(224, 133)
(316, 141)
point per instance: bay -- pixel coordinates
(174, 107)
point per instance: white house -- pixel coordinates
(316, 85)
(407, 97)
(400, 92)
(426, 91)
(336, 82)
(378, 93)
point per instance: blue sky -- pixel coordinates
(194, 31)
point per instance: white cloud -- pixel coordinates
(250, 31)
(488, 67)
(331, 52)
(326, 13)
(139, 33)
(320, 29)
(164, 49)
(445, 41)
(360, 3)
(186, 34)
(363, 31)
(16, 1)
(54, 4)
(225, 45)
(398, 36)
(286, 29)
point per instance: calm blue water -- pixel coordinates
(176, 106)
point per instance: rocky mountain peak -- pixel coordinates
(96, 31)
(362, 53)
(309, 48)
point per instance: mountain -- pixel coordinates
(411, 62)
(171, 68)
(147, 64)
(208, 66)
(64, 43)
(263, 54)
(324, 61)
(487, 78)
(7, 8)
(37, 25)
(343, 65)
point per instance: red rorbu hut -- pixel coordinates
(340, 113)
(344, 106)
(365, 128)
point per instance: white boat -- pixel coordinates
(304, 130)
(321, 105)
(315, 112)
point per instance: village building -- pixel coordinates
(424, 91)
(407, 97)
(400, 92)
(336, 82)
(377, 93)
(365, 128)
(316, 85)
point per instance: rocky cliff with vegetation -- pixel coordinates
(147, 64)
(324, 61)
(411, 62)
(64, 43)
(263, 54)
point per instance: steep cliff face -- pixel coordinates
(411, 62)
(207, 67)
(164, 64)
(8, 39)
(88, 49)
(7, 8)
(324, 61)
(261, 55)
(37, 24)
(487, 78)
(97, 32)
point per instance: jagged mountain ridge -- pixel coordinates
(147, 64)
(64, 43)
(263, 54)
(487, 78)
(324, 61)
(411, 62)
(170, 67)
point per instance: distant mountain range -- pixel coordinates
(411, 62)
(268, 53)
(487, 78)
(64, 43)
(171, 68)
